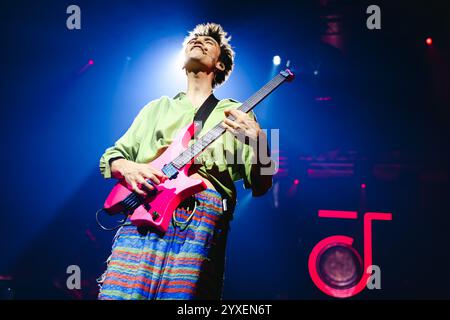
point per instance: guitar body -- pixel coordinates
(157, 208)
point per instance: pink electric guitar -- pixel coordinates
(156, 209)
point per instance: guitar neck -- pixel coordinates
(201, 144)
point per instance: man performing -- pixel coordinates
(187, 261)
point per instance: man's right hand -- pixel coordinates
(136, 174)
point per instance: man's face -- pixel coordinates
(202, 52)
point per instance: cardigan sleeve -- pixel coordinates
(127, 145)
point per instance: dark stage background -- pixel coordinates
(367, 107)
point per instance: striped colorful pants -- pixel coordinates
(187, 262)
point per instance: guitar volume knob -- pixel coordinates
(155, 215)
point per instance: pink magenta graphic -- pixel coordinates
(338, 214)
(342, 240)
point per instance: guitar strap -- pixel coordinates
(205, 110)
(200, 118)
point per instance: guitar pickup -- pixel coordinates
(170, 171)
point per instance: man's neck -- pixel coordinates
(199, 87)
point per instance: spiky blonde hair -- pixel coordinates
(216, 32)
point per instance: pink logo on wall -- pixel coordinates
(335, 267)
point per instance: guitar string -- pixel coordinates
(218, 130)
(209, 137)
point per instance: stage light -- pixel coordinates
(316, 72)
(293, 188)
(429, 41)
(276, 60)
(86, 66)
(363, 186)
(324, 98)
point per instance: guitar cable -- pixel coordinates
(183, 224)
(121, 222)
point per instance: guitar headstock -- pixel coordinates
(288, 74)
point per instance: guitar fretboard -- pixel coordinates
(202, 143)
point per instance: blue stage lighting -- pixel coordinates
(276, 60)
